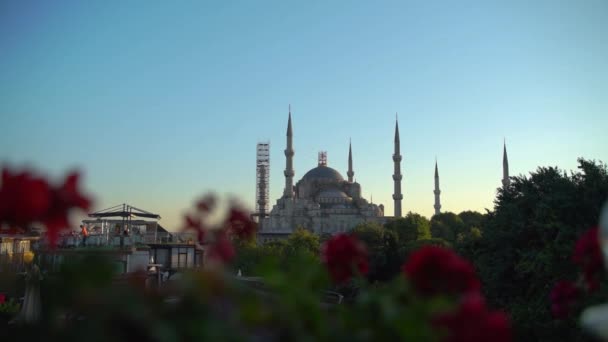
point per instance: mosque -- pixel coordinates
(324, 202)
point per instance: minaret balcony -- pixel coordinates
(397, 177)
(397, 197)
(397, 158)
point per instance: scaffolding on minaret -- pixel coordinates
(262, 179)
(322, 158)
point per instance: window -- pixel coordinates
(180, 256)
(161, 256)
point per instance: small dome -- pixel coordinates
(332, 193)
(322, 172)
(333, 198)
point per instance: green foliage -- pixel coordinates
(410, 228)
(382, 245)
(210, 305)
(406, 249)
(472, 219)
(9, 309)
(527, 244)
(303, 241)
(447, 226)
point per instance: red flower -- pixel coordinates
(23, 198)
(192, 223)
(64, 198)
(221, 249)
(437, 270)
(2, 298)
(563, 298)
(344, 256)
(197, 225)
(588, 255)
(240, 224)
(206, 204)
(472, 321)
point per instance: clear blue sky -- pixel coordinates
(160, 101)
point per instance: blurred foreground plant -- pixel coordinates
(436, 298)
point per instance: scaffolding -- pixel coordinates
(322, 158)
(262, 179)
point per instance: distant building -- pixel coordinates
(323, 201)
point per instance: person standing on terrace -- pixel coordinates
(85, 234)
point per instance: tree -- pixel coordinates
(412, 227)
(447, 226)
(411, 246)
(302, 241)
(383, 250)
(472, 219)
(471, 232)
(527, 243)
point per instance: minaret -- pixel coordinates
(397, 196)
(437, 192)
(505, 167)
(350, 172)
(288, 192)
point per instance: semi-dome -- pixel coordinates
(323, 172)
(332, 193)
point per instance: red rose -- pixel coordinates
(221, 249)
(563, 298)
(588, 255)
(2, 298)
(472, 321)
(344, 256)
(240, 224)
(437, 270)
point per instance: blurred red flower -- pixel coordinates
(206, 204)
(344, 256)
(197, 225)
(588, 255)
(25, 199)
(63, 199)
(221, 249)
(2, 298)
(240, 224)
(472, 321)
(437, 270)
(564, 297)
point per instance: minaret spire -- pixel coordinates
(289, 152)
(437, 192)
(350, 172)
(505, 166)
(397, 196)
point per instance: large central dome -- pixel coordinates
(323, 172)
